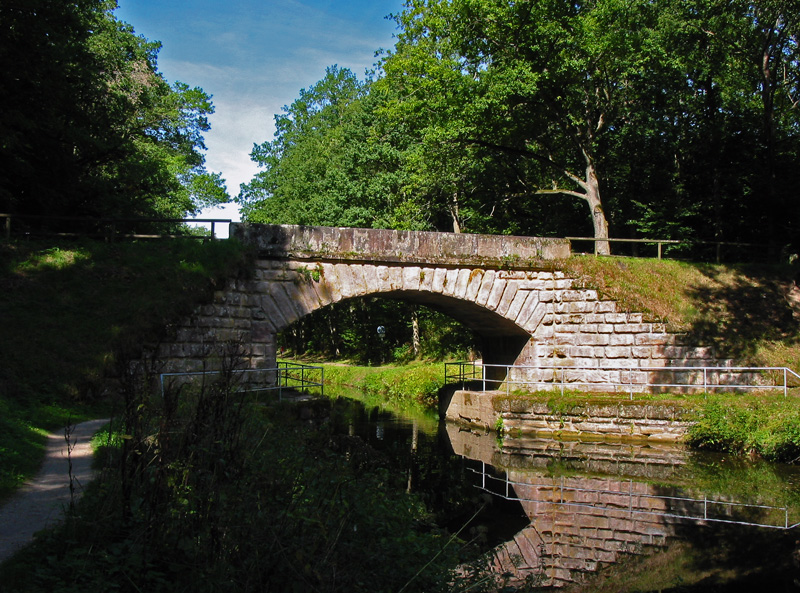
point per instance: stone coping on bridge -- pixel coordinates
(393, 246)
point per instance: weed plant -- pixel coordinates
(65, 308)
(765, 426)
(414, 384)
(204, 490)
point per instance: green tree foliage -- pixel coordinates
(349, 330)
(88, 126)
(325, 166)
(673, 119)
(533, 85)
(713, 145)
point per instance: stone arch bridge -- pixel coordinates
(509, 290)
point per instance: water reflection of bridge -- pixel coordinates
(593, 504)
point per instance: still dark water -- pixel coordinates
(554, 513)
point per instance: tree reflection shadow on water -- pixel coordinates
(598, 516)
(602, 514)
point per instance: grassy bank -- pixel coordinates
(68, 310)
(764, 426)
(412, 384)
(741, 310)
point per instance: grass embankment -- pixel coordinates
(67, 311)
(766, 426)
(741, 310)
(408, 385)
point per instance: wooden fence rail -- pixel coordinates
(660, 242)
(110, 225)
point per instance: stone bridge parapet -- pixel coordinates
(401, 247)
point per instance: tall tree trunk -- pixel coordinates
(415, 343)
(599, 221)
(454, 212)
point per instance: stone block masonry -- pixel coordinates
(392, 246)
(507, 290)
(625, 421)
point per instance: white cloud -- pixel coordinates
(253, 57)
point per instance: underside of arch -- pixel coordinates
(501, 339)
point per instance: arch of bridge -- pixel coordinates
(508, 290)
(493, 303)
(492, 284)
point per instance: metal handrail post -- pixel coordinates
(630, 496)
(630, 383)
(785, 383)
(483, 376)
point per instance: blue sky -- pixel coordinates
(253, 57)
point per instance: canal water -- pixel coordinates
(554, 513)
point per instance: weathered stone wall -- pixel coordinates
(596, 346)
(392, 246)
(233, 324)
(626, 420)
(635, 421)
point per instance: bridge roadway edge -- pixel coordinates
(509, 290)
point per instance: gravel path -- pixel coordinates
(41, 502)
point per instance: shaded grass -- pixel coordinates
(66, 308)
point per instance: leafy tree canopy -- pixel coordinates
(88, 126)
(676, 119)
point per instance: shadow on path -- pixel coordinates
(40, 503)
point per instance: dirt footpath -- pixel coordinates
(41, 502)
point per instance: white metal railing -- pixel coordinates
(287, 375)
(637, 503)
(484, 377)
